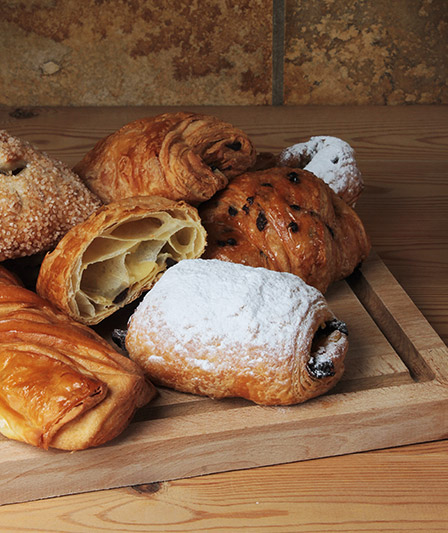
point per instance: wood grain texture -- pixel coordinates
(403, 155)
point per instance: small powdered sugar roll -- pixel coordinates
(330, 159)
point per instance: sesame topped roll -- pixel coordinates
(40, 199)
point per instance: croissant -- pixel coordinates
(40, 199)
(61, 385)
(181, 156)
(222, 329)
(285, 219)
(107, 261)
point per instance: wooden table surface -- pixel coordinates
(403, 155)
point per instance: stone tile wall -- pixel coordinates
(222, 52)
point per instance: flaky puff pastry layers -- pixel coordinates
(288, 220)
(181, 156)
(110, 259)
(221, 329)
(61, 385)
(40, 199)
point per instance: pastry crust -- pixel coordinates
(40, 199)
(61, 385)
(181, 156)
(285, 219)
(221, 329)
(110, 259)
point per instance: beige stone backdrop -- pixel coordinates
(222, 52)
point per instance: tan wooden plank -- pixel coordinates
(403, 489)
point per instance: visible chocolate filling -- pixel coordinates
(295, 207)
(323, 368)
(320, 369)
(232, 211)
(267, 184)
(119, 337)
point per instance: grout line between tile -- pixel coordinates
(278, 50)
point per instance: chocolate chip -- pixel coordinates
(232, 211)
(267, 184)
(230, 242)
(293, 227)
(250, 200)
(294, 177)
(295, 207)
(330, 230)
(213, 168)
(245, 208)
(236, 145)
(121, 296)
(335, 160)
(261, 221)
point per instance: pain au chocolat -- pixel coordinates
(117, 253)
(223, 329)
(181, 156)
(61, 385)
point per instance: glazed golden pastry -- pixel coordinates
(61, 385)
(110, 259)
(40, 199)
(288, 220)
(182, 156)
(223, 329)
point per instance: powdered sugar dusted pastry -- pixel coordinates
(222, 329)
(181, 156)
(40, 199)
(328, 158)
(110, 259)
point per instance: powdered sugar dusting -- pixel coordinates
(330, 159)
(217, 303)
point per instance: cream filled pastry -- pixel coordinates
(223, 329)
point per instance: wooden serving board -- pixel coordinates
(394, 392)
